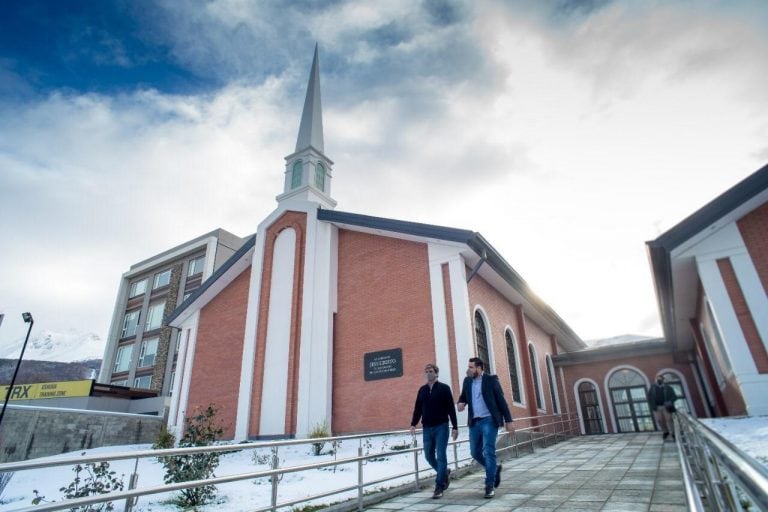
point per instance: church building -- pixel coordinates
(326, 317)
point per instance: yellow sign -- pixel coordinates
(40, 390)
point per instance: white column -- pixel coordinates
(276, 356)
(316, 348)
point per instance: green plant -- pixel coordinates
(98, 479)
(165, 439)
(201, 430)
(318, 431)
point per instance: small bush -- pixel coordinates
(98, 479)
(164, 440)
(201, 430)
(318, 431)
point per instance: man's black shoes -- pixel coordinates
(448, 478)
(666, 435)
(497, 479)
(489, 493)
(438, 493)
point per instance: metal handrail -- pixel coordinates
(718, 473)
(132, 494)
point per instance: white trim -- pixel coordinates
(599, 404)
(518, 369)
(535, 365)
(180, 395)
(565, 392)
(437, 257)
(607, 389)
(248, 362)
(277, 351)
(754, 294)
(178, 253)
(725, 319)
(556, 407)
(491, 363)
(462, 325)
(315, 370)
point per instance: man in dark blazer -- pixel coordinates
(488, 410)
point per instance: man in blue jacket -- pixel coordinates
(434, 406)
(488, 411)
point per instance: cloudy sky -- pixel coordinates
(567, 132)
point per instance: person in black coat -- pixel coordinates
(661, 399)
(434, 406)
(488, 410)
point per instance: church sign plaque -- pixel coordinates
(385, 364)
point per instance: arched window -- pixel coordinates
(481, 340)
(630, 403)
(296, 174)
(514, 374)
(552, 385)
(673, 379)
(590, 408)
(536, 376)
(320, 176)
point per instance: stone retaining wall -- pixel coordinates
(31, 432)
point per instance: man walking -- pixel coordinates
(488, 411)
(661, 399)
(434, 406)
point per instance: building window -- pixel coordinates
(155, 316)
(137, 288)
(123, 358)
(590, 409)
(628, 393)
(481, 341)
(162, 279)
(196, 266)
(320, 176)
(122, 382)
(536, 376)
(143, 382)
(130, 322)
(552, 385)
(296, 175)
(148, 351)
(514, 374)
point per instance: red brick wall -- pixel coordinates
(218, 350)
(543, 344)
(384, 303)
(501, 313)
(754, 230)
(649, 365)
(746, 322)
(297, 221)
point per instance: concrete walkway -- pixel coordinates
(619, 472)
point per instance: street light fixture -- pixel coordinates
(29, 320)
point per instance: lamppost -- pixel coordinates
(29, 320)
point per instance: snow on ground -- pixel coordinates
(247, 494)
(748, 434)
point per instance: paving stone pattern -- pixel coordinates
(615, 472)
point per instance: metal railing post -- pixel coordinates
(414, 445)
(132, 481)
(274, 478)
(360, 478)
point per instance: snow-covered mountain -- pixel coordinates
(68, 346)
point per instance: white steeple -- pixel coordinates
(308, 171)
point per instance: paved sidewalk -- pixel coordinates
(615, 472)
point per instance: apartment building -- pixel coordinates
(140, 351)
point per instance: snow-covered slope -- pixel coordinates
(66, 346)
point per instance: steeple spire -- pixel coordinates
(308, 171)
(311, 128)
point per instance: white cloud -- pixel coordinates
(567, 143)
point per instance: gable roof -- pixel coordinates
(502, 272)
(671, 275)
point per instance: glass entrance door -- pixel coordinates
(630, 404)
